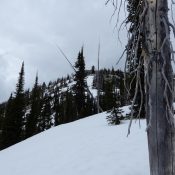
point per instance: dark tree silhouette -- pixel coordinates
(80, 85)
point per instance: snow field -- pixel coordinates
(85, 147)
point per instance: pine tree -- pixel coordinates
(56, 106)
(115, 116)
(18, 109)
(109, 97)
(60, 110)
(69, 107)
(42, 100)
(45, 117)
(90, 106)
(8, 130)
(80, 84)
(31, 125)
(93, 70)
(123, 93)
(2, 115)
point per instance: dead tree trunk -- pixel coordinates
(98, 81)
(159, 85)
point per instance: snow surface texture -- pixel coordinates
(85, 147)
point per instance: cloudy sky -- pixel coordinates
(30, 28)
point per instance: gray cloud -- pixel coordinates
(30, 28)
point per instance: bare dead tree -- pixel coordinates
(98, 81)
(151, 28)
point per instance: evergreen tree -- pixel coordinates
(27, 97)
(8, 132)
(18, 110)
(45, 117)
(43, 89)
(2, 115)
(31, 125)
(56, 107)
(60, 110)
(80, 84)
(90, 106)
(69, 107)
(93, 70)
(115, 116)
(123, 93)
(13, 124)
(108, 99)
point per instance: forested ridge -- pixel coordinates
(29, 112)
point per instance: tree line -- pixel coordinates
(29, 112)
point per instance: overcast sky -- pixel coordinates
(30, 28)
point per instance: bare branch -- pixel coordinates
(121, 57)
(135, 96)
(64, 55)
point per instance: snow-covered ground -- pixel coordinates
(126, 110)
(85, 147)
(89, 80)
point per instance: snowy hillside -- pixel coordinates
(84, 147)
(89, 80)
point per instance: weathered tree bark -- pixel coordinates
(158, 77)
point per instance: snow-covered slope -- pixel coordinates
(85, 147)
(89, 81)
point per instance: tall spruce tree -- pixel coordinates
(19, 108)
(31, 125)
(80, 85)
(13, 126)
